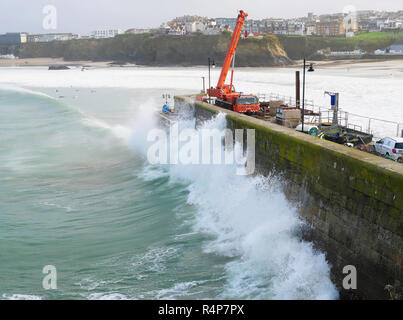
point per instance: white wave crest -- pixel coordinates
(252, 222)
(17, 296)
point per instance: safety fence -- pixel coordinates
(379, 128)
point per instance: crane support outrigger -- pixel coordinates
(225, 94)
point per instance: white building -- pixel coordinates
(379, 51)
(211, 31)
(396, 49)
(138, 31)
(106, 33)
(296, 28)
(310, 29)
(13, 38)
(49, 37)
(350, 24)
(195, 26)
(8, 56)
(176, 31)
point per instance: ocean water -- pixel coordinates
(366, 89)
(77, 192)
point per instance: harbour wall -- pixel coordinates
(352, 201)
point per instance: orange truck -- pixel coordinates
(225, 94)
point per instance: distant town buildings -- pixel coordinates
(18, 38)
(395, 49)
(230, 22)
(195, 26)
(138, 31)
(13, 38)
(8, 56)
(105, 33)
(325, 25)
(330, 28)
(48, 37)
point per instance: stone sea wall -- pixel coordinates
(352, 201)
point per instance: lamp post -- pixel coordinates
(310, 69)
(211, 63)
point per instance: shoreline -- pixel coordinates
(46, 62)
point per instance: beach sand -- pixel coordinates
(40, 62)
(356, 64)
(337, 64)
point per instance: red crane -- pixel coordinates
(225, 94)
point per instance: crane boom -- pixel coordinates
(225, 94)
(231, 49)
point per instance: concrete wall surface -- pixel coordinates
(352, 201)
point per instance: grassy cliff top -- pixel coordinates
(298, 47)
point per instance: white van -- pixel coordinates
(390, 147)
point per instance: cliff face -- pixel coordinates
(148, 49)
(164, 50)
(260, 52)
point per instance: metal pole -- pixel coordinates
(303, 99)
(297, 90)
(320, 116)
(336, 109)
(204, 84)
(209, 84)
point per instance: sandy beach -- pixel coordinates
(336, 64)
(40, 62)
(356, 64)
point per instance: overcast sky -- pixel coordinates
(83, 16)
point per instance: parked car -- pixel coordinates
(391, 148)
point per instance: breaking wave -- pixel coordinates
(250, 221)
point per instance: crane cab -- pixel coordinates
(246, 104)
(239, 103)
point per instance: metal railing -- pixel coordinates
(379, 128)
(288, 100)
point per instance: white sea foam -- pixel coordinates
(249, 218)
(252, 222)
(134, 132)
(120, 131)
(107, 296)
(151, 172)
(25, 90)
(179, 290)
(17, 296)
(358, 87)
(153, 260)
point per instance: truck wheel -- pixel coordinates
(400, 160)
